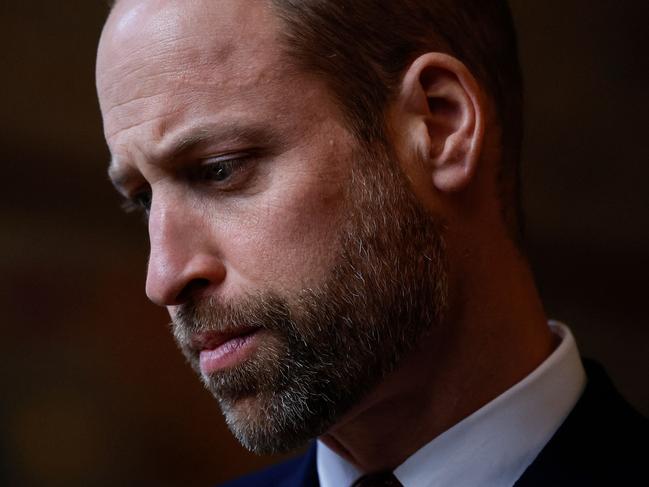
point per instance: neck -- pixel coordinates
(499, 337)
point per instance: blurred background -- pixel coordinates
(93, 389)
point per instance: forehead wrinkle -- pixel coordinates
(188, 139)
(151, 120)
(188, 96)
(168, 66)
(226, 132)
(149, 111)
(185, 78)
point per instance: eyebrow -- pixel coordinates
(192, 139)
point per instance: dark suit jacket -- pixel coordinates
(603, 442)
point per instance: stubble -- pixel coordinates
(324, 348)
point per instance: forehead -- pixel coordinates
(163, 59)
(211, 29)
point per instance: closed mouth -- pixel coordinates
(213, 340)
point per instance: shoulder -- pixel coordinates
(600, 443)
(297, 472)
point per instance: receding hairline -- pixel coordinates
(327, 39)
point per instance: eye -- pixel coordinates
(139, 202)
(227, 171)
(143, 200)
(218, 171)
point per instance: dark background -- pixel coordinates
(93, 389)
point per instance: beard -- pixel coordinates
(324, 348)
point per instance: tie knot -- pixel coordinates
(383, 479)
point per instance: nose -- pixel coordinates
(183, 262)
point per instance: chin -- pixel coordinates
(262, 428)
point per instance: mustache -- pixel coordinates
(210, 315)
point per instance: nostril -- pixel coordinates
(194, 287)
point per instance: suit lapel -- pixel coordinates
(595, 444)
(306, 474)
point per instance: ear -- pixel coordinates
(441, 119)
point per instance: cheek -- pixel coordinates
(286, 238)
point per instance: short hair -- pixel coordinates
(363, 47)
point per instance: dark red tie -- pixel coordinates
(384, 479)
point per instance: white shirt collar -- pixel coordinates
(494, 445)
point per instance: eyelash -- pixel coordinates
(141, 202)
(135, 204)
(234, 165)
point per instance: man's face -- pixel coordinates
(296, 265)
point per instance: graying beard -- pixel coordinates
(373, 308)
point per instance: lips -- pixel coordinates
(213, 340)
(221, 350)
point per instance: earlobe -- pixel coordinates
(444, 105)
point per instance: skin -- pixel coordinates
(183, 85)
